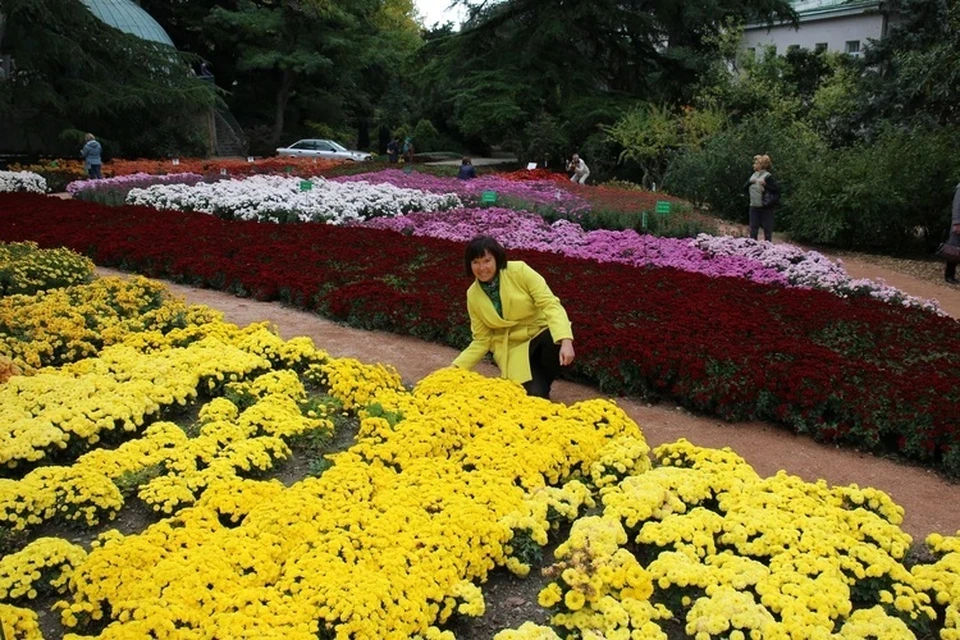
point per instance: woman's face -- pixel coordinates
(756, 165)
(484, 267)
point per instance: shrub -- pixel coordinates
(426, 137)
(892, 195)
(714, 175)
(601, 155)
(346, 136)
(546, 141)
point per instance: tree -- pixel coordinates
(517, 58)
(75, 73)
(651, 135)
(915, 71)
(286, 62)
(283, 43)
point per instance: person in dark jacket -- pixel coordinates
(764, 196)
(467, 172)
(92, 161)
(950, 274)
(393, 150)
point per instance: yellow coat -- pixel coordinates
(529, 307)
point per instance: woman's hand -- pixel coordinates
(567, 353)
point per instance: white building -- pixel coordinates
(844, 26)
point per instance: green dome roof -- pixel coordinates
(129, 18)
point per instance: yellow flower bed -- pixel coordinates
(385, 544)
(20, 623)
(733, 555)
(25, 268)
(58, 326)
(43, 565)
(123, 388)
(444, 483)
(229, 441)
(119, 389)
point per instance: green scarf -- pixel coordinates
(492, 289)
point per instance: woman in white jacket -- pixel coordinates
(580, 170)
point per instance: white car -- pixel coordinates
(312, 148)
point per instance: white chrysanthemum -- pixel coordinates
(276, 198)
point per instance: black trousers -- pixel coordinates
(761, 216)
(951, 270)
(544, 365)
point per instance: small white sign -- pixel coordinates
(176, 161)
(249, 158)
(223, 172)
(531, 166)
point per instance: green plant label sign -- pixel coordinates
(663, 206)
(488, 197)
(306, 185)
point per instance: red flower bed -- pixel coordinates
(523, 175)
(623, 200)
(848, 370)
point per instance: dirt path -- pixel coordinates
(930, 501)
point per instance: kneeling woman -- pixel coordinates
(514, 314)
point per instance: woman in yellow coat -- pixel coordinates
(514, 314)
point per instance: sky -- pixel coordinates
(434, 11)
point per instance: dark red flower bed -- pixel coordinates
(856, 371)
(523, 175)
(612, 198)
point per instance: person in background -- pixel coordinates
(91, 153)
(580, 169)
(467, 172)
(764, 196)
(514, 314)
(950, 274)
(393, 150)
(408, 150)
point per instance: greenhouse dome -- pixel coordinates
(126, 16)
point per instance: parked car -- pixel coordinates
(312, 148)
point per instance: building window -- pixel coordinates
(853, 47)
(820, 46)
(793, 47)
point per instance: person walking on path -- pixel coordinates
(950, 274)
(393, 150)
(514, 314)
(764, 196)
(580, 169)
(92, 161)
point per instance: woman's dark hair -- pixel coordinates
(480, 245)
